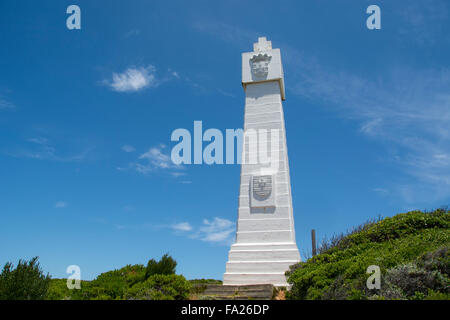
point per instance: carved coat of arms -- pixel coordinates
(260, 64)
(262, 186)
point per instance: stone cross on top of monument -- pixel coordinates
(263, 64)
(262, 45)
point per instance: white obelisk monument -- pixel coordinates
(265, 244)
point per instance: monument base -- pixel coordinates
(260, 263)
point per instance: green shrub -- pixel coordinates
(25, 282)
(432, 295)
(338, 239)
(345, 289)
(396, 227)
(156, 281)
(134, 282)
(340, 271)
(160, 287)
(415, 282)
(438, 260)
(167, 265)
(58, 290)
(111, 285)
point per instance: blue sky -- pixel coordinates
(86, 117)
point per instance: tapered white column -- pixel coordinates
(265, 244)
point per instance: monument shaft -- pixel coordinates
(265, 244)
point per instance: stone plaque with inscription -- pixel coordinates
(262, 191)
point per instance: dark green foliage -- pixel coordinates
(336, 240)
(437, 296)
(25, 282)
(344, 289)
(58, 290)
(411, 279)
(160, 287)
(167, 265)
(340, 271)
(438, 260)
(112, 285)
(394, 228)
(425, 278)
(129, 282)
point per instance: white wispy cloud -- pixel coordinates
(183, 226)
(132, 32)
(157, 159)
(133, 79)
(154, 160)
(41, 148)
(6, 104)
(424, 22)
(38, 140)
(226, 94)
(128, 148)
(61, 204)
(381, 191)
(217, 230)
(174, 73)
(177, 174)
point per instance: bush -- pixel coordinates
(167, 265)
(160, 287)
(345, 289)
(438, 260)
(156, 281)
(58, 290)
(437, 296)
(26, 282)
(112, 285)
(415, 282)
(396, 227)
(338, 239)
(340, 271)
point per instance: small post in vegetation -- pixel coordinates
(313, 239)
